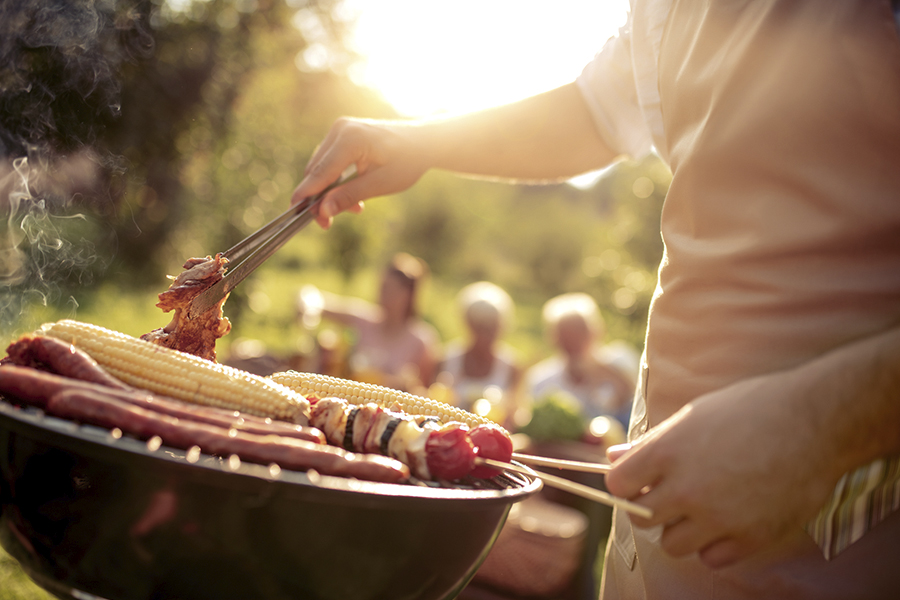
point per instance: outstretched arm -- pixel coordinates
(737, 469)
(550, 136)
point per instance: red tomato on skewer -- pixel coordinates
(490, 442)
(449, 452)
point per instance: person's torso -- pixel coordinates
(468, 388)
(387, 352)
(782, 222)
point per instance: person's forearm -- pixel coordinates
(550, 136)
(851, 396)
(347, 311)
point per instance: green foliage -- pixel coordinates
(346, 246)
(556, 417)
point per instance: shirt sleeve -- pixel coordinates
(609, 88)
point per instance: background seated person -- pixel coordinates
(483, 367)
(393, 346)
(601, 380)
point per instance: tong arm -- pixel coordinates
(253, 250)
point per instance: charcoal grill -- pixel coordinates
(89, 513)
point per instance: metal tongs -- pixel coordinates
(245, 256)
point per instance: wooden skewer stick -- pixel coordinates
(570, 465)
(572, 487)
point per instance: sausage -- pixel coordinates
(220, 417)
(30, 385)
(36, 387)
(52, 354)
(102, 409)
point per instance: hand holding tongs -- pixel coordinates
(253, 250)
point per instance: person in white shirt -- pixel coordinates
(583, 368)
(764, 436)
(484, 368)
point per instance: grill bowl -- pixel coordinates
(87, 513)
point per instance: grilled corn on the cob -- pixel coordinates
(179, 375)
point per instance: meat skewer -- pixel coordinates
(430, 449)
(430, 453)
(318, 385)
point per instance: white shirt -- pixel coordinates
(620, 86)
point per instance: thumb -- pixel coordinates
(614, 453)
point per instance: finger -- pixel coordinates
(614, 453)
(317, 180)
(326, 171)
(682, 537)
(349, 195)
(632, 472)
(324, 222)
(324, 146)
(658, 499)
(722, 553)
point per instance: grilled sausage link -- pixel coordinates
(102, 409)
(36, 387)
(54, 355)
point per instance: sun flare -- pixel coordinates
(430, 56)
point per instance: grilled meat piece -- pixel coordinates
(194, 335)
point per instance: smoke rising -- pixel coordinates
(61, 63)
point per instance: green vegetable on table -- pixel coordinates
(556, 417)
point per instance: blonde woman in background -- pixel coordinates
(393, 346)
(602, 379)
(484, 368)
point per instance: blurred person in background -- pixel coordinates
(764, 436)
(484, 369)
(393, 346)
(603, 382)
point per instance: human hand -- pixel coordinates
(386, 158)
(729, 474)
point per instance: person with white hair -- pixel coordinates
(484, 367)
(603, 381)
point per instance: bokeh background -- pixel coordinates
(174, 129)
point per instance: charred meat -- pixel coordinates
(194, 335)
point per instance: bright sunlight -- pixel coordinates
(432, 56)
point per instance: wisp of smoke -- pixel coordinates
(60, 64)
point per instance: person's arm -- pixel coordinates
(550, 136)
(623, 386)
(347, 311)
(737, 469)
